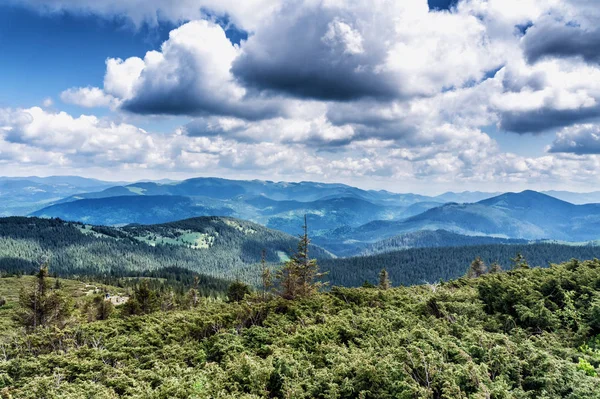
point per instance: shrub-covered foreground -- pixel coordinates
(528, 333)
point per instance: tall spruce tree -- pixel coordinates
(143, 301)
(266, 276)
(39, 306)
(519, 262)
(384, 280)
(237, 291)
(299, 276)
(477, 268)
(495, 268)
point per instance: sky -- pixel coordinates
(414, 95)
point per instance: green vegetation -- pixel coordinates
(526, 333)
(78, 292)
(40, 306)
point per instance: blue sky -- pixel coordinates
(46, 53)
(424, 95)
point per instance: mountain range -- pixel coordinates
(342, 219)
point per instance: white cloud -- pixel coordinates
(577, 139)
(88, 97)
(379, 91)
(190, 75)
(121, 75)
(247, 14)
(340, 33)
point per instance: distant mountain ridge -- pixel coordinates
(527, 215)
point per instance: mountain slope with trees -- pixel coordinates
(215, 246)
(430, 265)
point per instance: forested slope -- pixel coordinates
(432, 238)
(530, 333)
(420, 265)
(219, 247)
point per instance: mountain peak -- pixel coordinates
(526, 198)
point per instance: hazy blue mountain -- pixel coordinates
(73, 181)
(281, 191)
(342, 219)
(576, 198)
(283, 215)
(526, 215)
(323, 214)
(418, 208)
(20, 196)
(465, 196)
(130, 209)
(278, 205)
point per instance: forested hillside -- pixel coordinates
(219, 247)
(430, 238)
(231, 248)
(421, 265)
(528, 333)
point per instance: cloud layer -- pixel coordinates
(340, 88)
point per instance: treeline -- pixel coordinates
(422, 265)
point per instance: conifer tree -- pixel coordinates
(104, 308)
(519, 262)
(495, 268)
(237, 291)
(265, 275)
(168, 300)
(477, 268)
(299, 275)
(39, 306)
(384, 280)
(99, 308)
(367, 284)
(144, 300)
(192, 296)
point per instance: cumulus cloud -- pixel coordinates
(349, 50)
(577, 139)
(374, 66)
(550, 94)
(559, 39)
(78, 137)
(190, 75)
(339, 89)
(88, 97)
